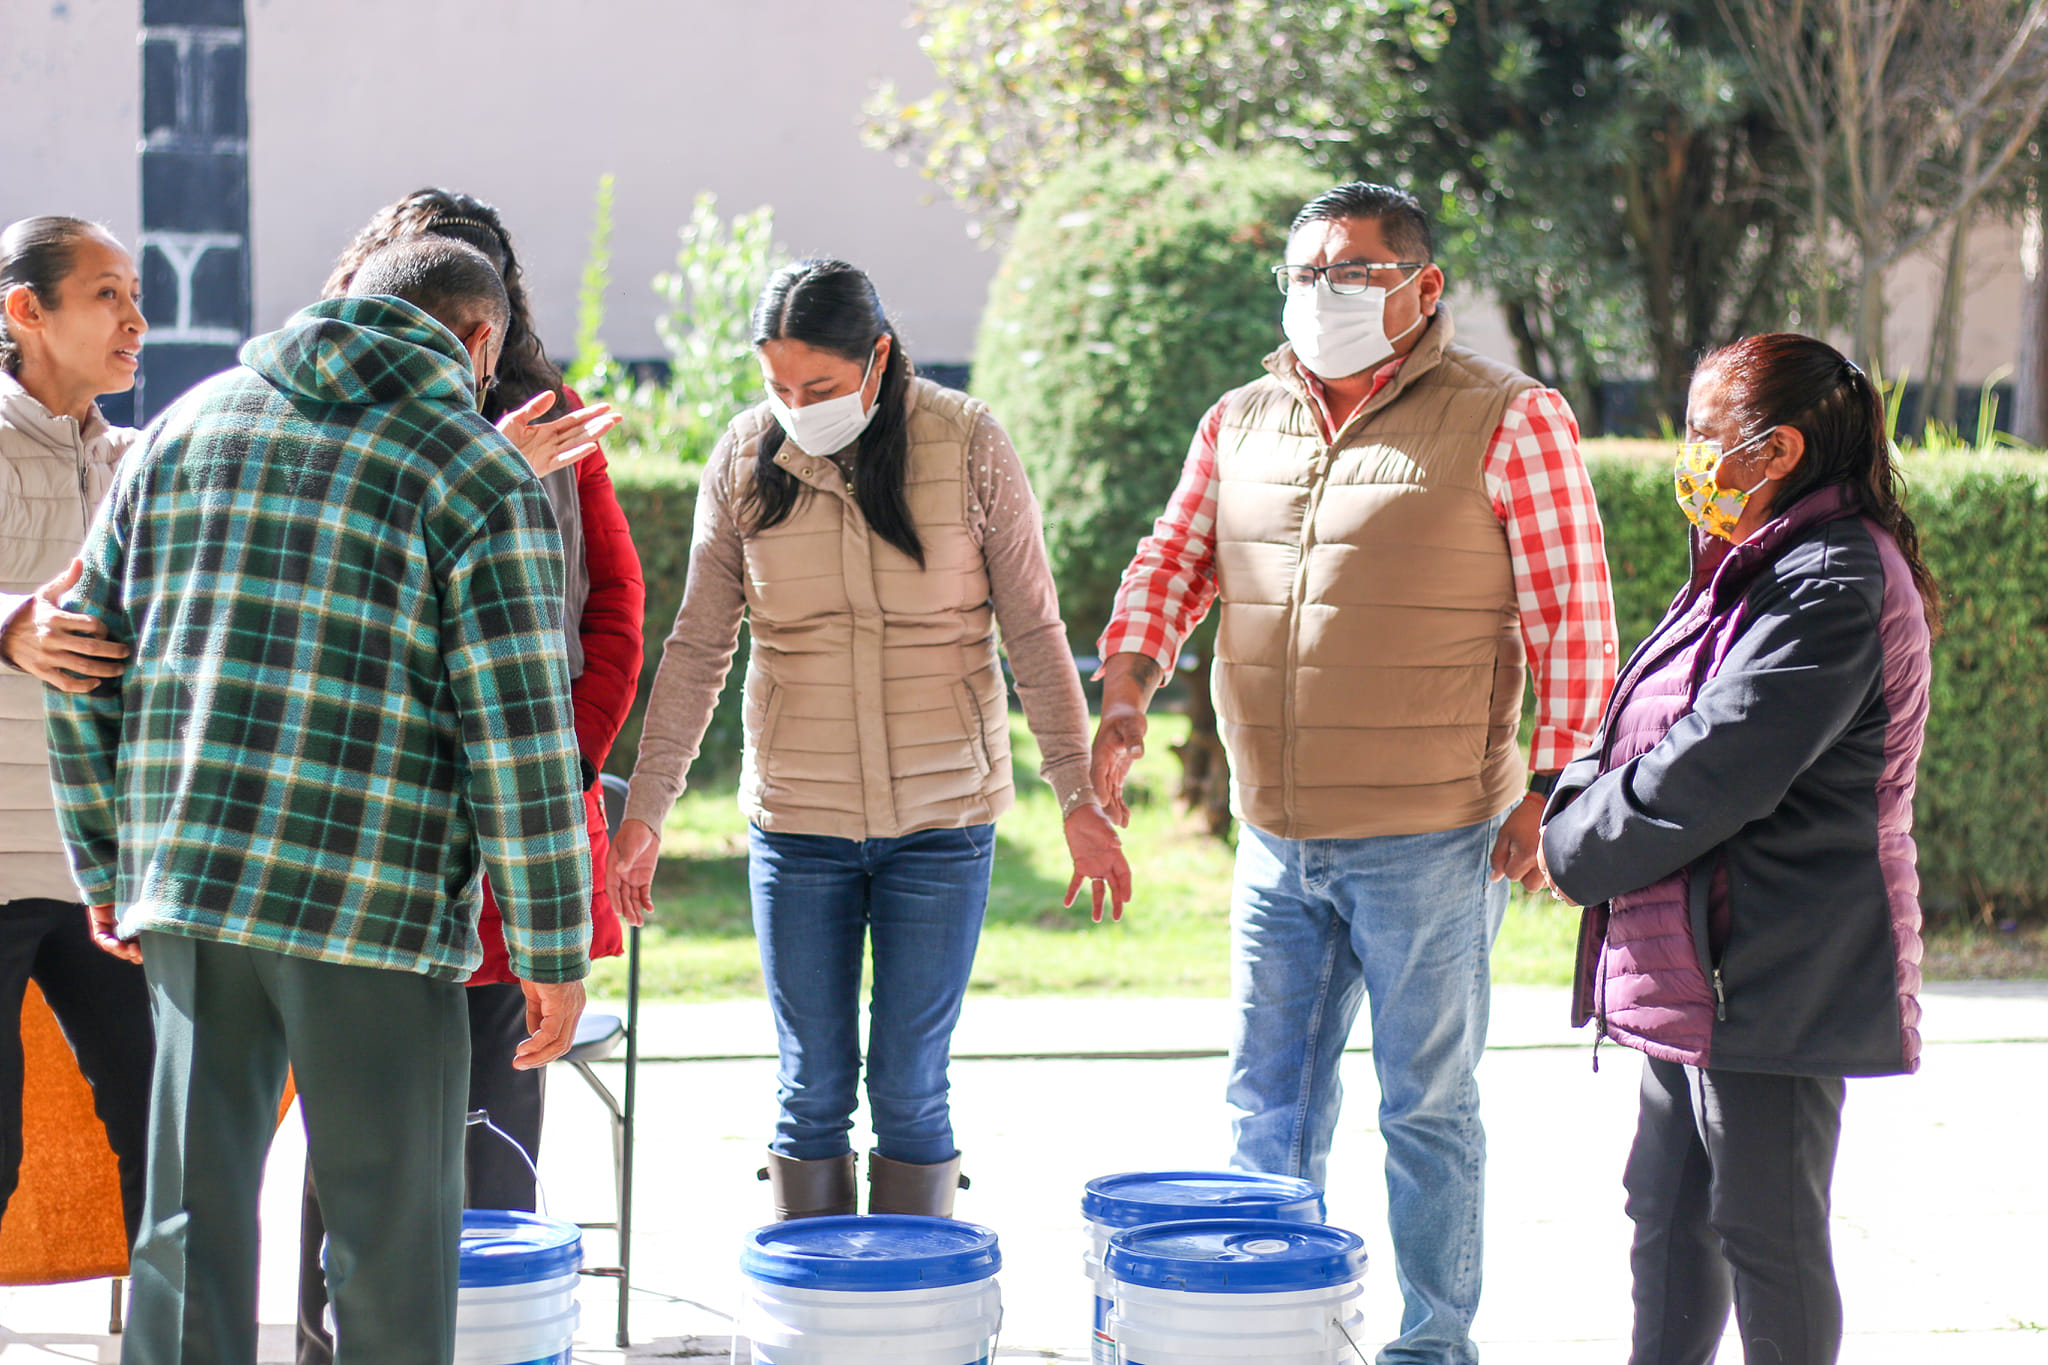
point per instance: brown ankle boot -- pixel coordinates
(810, 1189)
(898, 1187)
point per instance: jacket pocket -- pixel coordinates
(1700, 915)
(970, 721)
(771, 716)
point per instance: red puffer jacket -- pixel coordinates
(610, 632)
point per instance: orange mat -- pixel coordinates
(64, 1221)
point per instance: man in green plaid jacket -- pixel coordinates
(349, 700)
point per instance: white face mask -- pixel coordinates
(1334, 334)
(831, 426)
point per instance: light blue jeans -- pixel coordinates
(1406, 924)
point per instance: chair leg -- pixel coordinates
(114, 1324)
(625, 1131)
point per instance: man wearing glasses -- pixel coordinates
(1398, 530)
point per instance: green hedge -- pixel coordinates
(1980, 819)
(659, 498)
(1132, 296)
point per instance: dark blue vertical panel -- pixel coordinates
(195, 193)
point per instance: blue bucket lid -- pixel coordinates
(876, 1253)
(1138, 1197)
(502, 1246)
(1235, 1256)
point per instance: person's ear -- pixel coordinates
(881, 367)
(1429, 289)
(479, 345)
(1785, 452)
(24, 311)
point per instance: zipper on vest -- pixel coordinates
(1599, 1037)
(1720, 997)
(1319, 475)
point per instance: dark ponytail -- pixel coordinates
(1783, 379)
(36, 252)
(833, 306)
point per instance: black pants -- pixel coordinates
(495, 1176)
(102, 1004)
(1728, 1185)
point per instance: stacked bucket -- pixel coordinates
(862, 1291)
(516, 1302)
(1203, 1267)
(1187, 1268)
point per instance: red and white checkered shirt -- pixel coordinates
(1544, 500)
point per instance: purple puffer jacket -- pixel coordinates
(1741, 835)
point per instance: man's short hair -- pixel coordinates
(450, 281)
(1399, 214)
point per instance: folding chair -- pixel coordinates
(598, 1036)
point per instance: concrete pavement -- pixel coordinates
(1941, 1200)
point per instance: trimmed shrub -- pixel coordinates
(1134, 295)
(1980, 822)
(660, 502)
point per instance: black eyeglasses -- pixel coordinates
(1345, 277)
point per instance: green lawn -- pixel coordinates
(1172, 941)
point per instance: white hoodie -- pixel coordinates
(53, 474)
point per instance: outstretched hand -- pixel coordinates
(552, 1010)
(549, 446)
(629, 875)
(1098, 860)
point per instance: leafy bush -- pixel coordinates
(657, 454)
(705, 327)
(659, 506)
(1979, 821)
(1134, 294)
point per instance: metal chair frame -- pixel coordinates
(619, 1106)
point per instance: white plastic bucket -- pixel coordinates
(1114, 1202)
(1249, 1292)
(897, 1288)
(516, 1301)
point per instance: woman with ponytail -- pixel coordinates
(1741, 836)
(874, 530)
(71, 329)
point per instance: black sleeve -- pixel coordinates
(1806, 666)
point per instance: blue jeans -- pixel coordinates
(1405, 923)
(921, 898)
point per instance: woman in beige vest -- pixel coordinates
(874, 529)
(71, 329)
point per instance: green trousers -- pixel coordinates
(381, 1061)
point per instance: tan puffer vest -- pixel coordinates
(52, 477)
(1369, 659)
(874, 703)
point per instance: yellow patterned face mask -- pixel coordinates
(1706, 504)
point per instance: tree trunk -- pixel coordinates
(1817, 226)
(1938, 390)
(1204, 767)
(1867, 342)
(2030, 381)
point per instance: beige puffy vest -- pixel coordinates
(53, 475)
(1369, 660)
(874, 703)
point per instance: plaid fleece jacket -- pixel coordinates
(348, 697)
